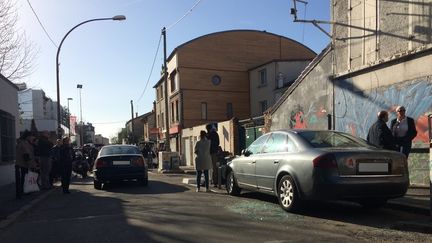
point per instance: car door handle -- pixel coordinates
(276, 161)
(253, 162)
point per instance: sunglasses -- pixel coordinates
(401, 111)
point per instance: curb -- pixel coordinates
(14, 216)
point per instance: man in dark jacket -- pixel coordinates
(43, 152)
(214, 149)
(404, 130)
(379, 134)
(66, 157)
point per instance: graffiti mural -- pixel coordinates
(355, 112)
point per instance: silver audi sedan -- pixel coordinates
(297, 165)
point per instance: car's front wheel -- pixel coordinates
(97, 184)
(231, 185)
(287, 194)
(143, 182)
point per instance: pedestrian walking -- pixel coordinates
(379, 134)
(43, 153)
(24, 161)
(404, 130)
(214, 149)
(66, 158)
(55, 159)
(203, 160)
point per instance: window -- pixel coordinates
(7, 136)
(177, 110)
(162, 121)
(204, 110)
(263, 77)
(174, 82)
(256, 146)
(276, 143)
(229, 110)
(263, 105)
(172, 112)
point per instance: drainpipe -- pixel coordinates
(430, 160)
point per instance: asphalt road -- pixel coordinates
(169, 211)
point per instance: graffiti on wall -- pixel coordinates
(313, 117)
(355, 112)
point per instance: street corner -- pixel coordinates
(424, 226)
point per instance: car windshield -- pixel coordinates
(119, 150)
(330, 139)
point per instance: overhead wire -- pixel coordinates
(184, 16)
(40, 23)
(157, 51)
(151, 70)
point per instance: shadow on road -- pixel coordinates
(153, 187)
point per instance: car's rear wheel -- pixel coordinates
(231, 185)
(97, 184)
(287, 194)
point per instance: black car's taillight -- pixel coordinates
(138, 162)
(100, 163)
(325, 161)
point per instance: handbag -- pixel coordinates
(30, 182)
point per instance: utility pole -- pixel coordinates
(132, 123)
(165, 73)
(79, 86)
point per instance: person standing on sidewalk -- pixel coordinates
(404, 130)
(43, 151)
(25, 160)
(214, 149)
(379, 134)
(203, 160)
(55, 161)
(66, 157)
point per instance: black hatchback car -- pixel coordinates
(118, 163)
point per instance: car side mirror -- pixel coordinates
(246, 153)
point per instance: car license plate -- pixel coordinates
(373, 167)
(121, 162)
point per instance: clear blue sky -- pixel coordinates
(112, 59)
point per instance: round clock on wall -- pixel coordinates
(216, 80)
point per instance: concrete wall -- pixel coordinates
(368, 32)
(191, 135)
(308, 101)
(279, 71)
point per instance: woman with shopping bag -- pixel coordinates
(25, 160)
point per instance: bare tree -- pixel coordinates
(16, 52)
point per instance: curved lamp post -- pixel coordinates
(117, 17)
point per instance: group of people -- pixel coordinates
(37, 153)
(400, 134)
(206, 150)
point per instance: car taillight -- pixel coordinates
(325, 161)
(139, 161)
(100, 163)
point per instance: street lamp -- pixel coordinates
(79, 86)
(117, 18)
(69, 99)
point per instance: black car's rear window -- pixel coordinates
(119, 150)
(329, 139)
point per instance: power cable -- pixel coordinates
(46, 32)
(184, 16)
(151, 71)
